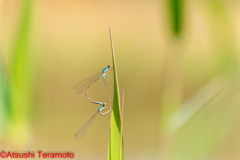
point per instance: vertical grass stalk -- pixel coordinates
(115, 140)
(121, 147)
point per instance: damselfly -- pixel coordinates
(86, 126)
(86, 83)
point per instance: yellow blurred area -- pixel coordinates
(181, 94)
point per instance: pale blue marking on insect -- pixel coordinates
(80, 133)
(100, 110)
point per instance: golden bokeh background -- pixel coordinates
(181, 87)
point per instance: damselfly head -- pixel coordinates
(110, 68)
(104, 104)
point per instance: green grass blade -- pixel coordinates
(4, 101)
(115, 140)
(22, 77)
(195, 104)
(176, 16)
(122, 110)
(209, 127)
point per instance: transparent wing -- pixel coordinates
(82, 85)
(85, 127)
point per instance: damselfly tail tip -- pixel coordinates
(76, 138)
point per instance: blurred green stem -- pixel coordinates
(176, 9)
(22, 80)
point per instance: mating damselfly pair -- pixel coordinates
(83, 86)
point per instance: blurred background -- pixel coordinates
(178, 62)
